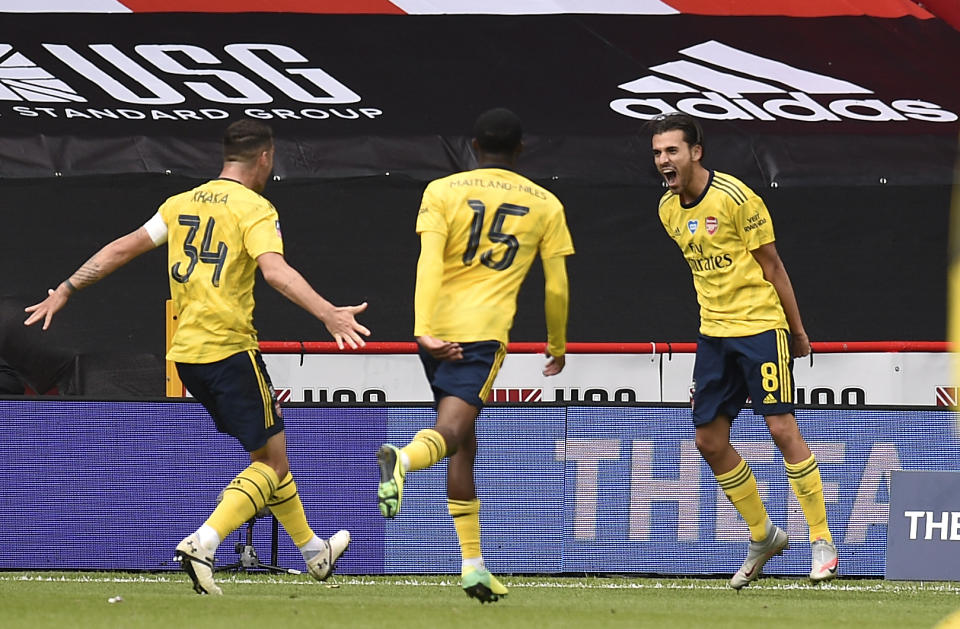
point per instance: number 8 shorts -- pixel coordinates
(730, 369)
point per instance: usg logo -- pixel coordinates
(716, 83)
(119, 75)
(22, 79)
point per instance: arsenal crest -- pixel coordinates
(711, 225)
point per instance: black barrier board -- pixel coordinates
(875, 100)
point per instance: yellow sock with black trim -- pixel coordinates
(243, 498)
(466, 519)
(808, 487)
(285, 505)
(427, 447)
(740, 487)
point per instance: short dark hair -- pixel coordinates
(692, 132)
(498, 131)
(245, 139)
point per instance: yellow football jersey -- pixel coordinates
(953, 299)
(716, 233)
(215, 233)
(494, 221)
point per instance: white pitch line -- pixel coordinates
(883, 586)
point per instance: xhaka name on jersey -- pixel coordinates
(210, 197)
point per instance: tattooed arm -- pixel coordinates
(101, 264)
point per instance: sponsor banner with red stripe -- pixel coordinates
(854, 379)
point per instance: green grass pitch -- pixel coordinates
(76, 599)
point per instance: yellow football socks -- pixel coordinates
(740, 486)
(466, 519)
(805, 480)
(243, 498)
(427, 448)
(285, 505)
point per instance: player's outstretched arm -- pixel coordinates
(429, 279)
(776, 273)
(340, 321)
(556, 304)
(101, 264)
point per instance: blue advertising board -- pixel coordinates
(565, 489)
(923, 536)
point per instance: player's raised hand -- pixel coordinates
(554, 364)
(440, 349)
(344, 327)
(56, 299)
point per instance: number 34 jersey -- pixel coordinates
(494, 221)
(215, 233)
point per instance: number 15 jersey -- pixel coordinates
(494, 221)
(215, 233)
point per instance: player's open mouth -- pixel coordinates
(669, 175)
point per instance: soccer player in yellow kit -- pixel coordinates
(219, 234)
(750, 331)
(479, 233)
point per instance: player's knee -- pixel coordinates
(453, 437)
(710, 446)
(282, 468)
(456, 431)
(280, 465)
(783, 430)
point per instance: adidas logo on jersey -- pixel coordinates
(715, 85)
(769, 399)
(22, 79)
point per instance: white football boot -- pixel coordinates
(759, 553)
(197, 562)
(322, 565)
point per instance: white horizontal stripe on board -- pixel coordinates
(62, 6)
(532, 7)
